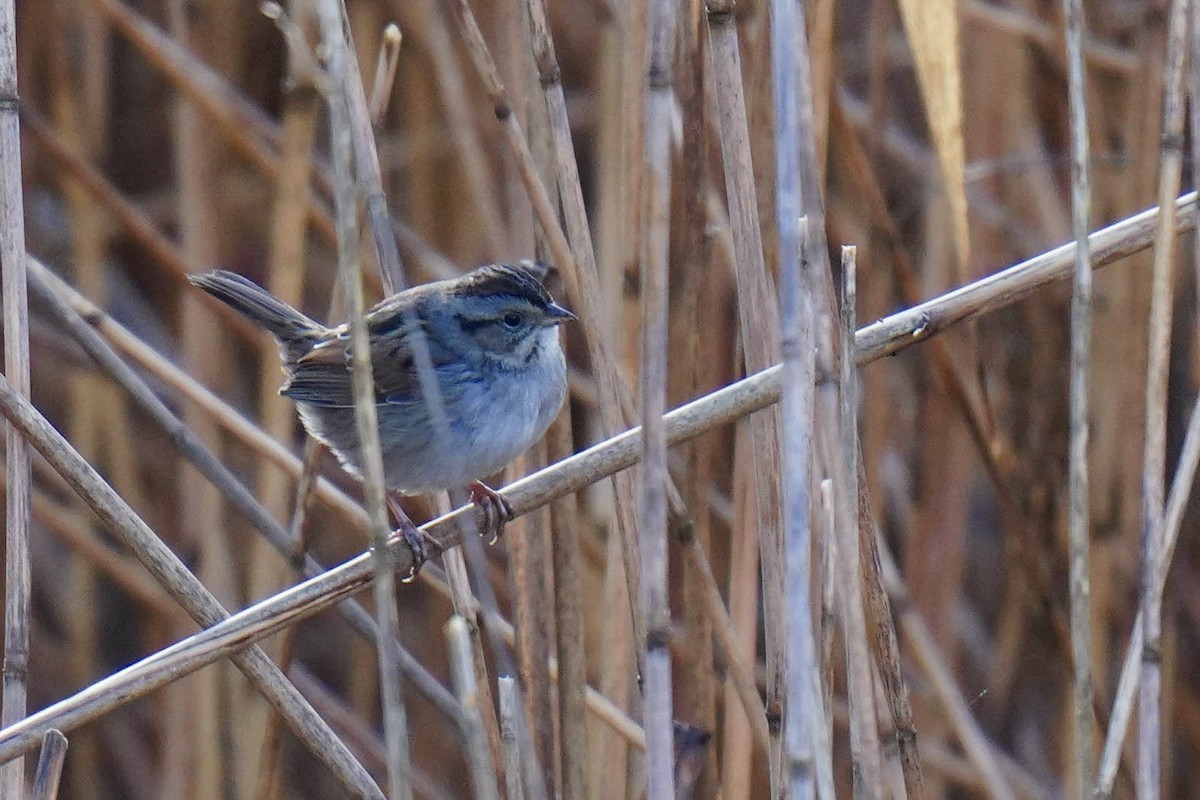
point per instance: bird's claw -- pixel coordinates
(494, 510)
(418, 541)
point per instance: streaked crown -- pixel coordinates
(519, 280)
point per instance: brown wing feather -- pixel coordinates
(322, 376)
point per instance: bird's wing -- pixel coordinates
(322, 376)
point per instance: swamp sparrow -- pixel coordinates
(497, 368)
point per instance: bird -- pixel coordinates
(494, 378)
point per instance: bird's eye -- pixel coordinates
(511, 320)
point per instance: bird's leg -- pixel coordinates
(416, 539)
(494, 509)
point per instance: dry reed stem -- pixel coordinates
(576, 258)
(584, 286)
(818, 285)
(792, 673)
(568, 625)
(355, 164)
(532, 599)
(843, 462)
(467, 606)
(1081, 333)
(510, 707)
(531, 577)
(825, 621)
(917, 323)
(652, 520)
(18, 488)
(758, 319)
(200, 604)
(462, 671)
(501, 638)
(1193, 90)
(887, 648)
(50, 766)
(1149, 776)
(701, 285)
(1122, 711)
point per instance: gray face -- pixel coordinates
(504, 327)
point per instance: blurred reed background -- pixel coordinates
(164, 138)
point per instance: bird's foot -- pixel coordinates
(494, 510)
(419, 542)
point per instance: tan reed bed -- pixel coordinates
(939, 559)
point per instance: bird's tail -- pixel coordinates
(295, 331)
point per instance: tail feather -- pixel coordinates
(295, 331)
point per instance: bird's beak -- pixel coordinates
(557, 315)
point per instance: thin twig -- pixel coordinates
(286, 279)
(1081, 333)
(501, 638)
